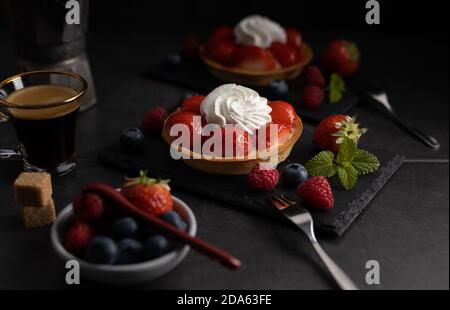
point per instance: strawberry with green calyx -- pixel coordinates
(341, 57)
(151, 195)
(331, 132)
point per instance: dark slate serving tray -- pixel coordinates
(233, 189)
(194, 75)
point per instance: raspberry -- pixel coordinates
(263, 178)
(314, 77)
(312, 96)
(154, 120)
(88, 207)
(316, 192)
(78, 237)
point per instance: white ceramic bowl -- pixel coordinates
(124, 274)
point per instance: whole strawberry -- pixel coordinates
(263, 178)
(341, 57)
(312, 97)
(154, 120)
(88, 207)
(314, 77)
(78, 237)
(331, 132)
(316, 192)
(151, 195)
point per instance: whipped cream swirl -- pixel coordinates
(236, 105)
(259, 31)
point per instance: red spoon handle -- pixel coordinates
(196, 243)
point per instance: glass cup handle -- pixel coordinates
(9, 154)
(4, 153)
(3, 117)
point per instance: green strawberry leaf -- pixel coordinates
(348, 176)
(347, 152)
(322, 165)
(337, 88)
(365, 162)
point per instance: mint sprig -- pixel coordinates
(322, 164)
(349, 165)
(337, 88)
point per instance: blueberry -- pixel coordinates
(124, 228)
(132, 139)
(294, 175)
(102, 250)
(130, 251)
(278, 88)
(174, 60)
(174, 219)
(156, 246)
(146, 230)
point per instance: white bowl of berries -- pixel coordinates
(117, 248)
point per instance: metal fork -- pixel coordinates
(381, 98)
(303, 220)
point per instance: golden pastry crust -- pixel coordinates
(256, 78)
(232, 166)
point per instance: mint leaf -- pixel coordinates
(337, 88)
(322, 165)
(365, 162)
(348, 176)
(347, 152)
(350, 163)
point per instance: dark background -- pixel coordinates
(406, 225)
(400, 15)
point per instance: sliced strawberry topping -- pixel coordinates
(191, 120)
(283, 113)
(235, 142)
(224, 33)
(192, 104)
(254, 58)
(220, 50)
(294, 37)
(285, 54)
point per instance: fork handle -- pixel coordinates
(365, 89)
(419, 134)
(338, 274)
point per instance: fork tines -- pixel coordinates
(281, 202)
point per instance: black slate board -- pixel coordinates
(232, 189)
(195, 76)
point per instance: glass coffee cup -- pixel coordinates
(42, 107)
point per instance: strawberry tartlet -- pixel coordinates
(235, 129)
(255, 52)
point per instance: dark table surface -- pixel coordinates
(406, 227)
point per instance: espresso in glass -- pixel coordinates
(47, 135)
(44, 117)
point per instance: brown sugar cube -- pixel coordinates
(33, 189)
(37, 217)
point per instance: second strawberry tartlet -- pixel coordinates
(256, 46)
